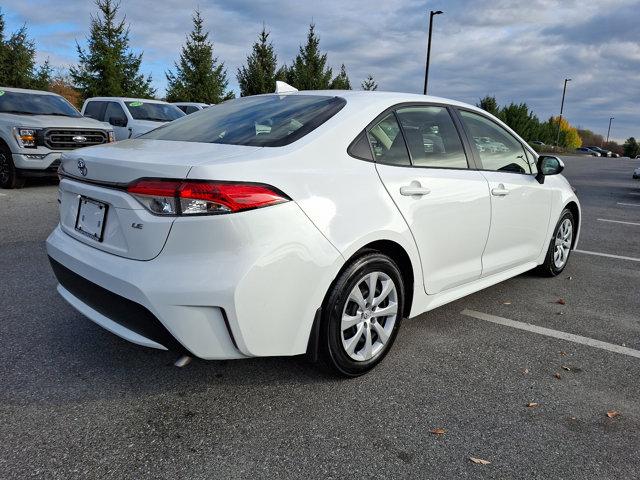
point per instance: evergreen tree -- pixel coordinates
(369, 84)
(309, 70)
(489, 104)
(521, 119)
(43, 76)
(631, 148)
(198, 76)
(19, 60)
(341, 82)
(108, 67)
(259, 75)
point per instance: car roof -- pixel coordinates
(126, 99)
(25, 90)
(366, 97)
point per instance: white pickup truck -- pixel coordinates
(35, 129)
(130, 117)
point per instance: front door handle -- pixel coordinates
(499, 191)
(414, 189)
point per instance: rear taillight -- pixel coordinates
(199, 197)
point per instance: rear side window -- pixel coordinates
(387, 142)
(95, 110)
(263, 121)
(498, 149)
(432, 138)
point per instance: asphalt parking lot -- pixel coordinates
(78, 402)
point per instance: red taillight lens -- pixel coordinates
(192, 197)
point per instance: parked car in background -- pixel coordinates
(587, 151)
(130, 117)
(537, 143)
(191, 107)
(601, 151)
(636, 172)
(35, 128)
(299, 222)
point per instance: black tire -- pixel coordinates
(9, 177)
(549, 267)
(332, 350)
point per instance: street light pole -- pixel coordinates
(564, 91)
(426, 70)
(609, 131)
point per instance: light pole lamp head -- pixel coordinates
(437, 12)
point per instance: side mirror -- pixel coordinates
(548, 165)
(118, 121)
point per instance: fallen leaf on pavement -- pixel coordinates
(479, 461)
(612, 413)
(562, 354)
(525, 371)
(561, 301)
(532, 404)
(438, 431)
(557, 375)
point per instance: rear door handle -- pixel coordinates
(499, 191)
(415, 189)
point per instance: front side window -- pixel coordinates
(35, 104)
(432, 138)
(262, 121)
(388, 143)
(115, 111)
(498, 149)
(154, 112)
(95, 110)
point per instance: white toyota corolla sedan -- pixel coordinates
(304, 222)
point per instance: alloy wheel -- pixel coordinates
(369, 316)
(564, 236)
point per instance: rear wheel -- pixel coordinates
(9, 177)
(560, 246)
(362, 314)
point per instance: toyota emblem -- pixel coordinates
(82, 167)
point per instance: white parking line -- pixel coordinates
(611, 347)
(629, 204)
(634, 193)
(609, 255)
(617, 221)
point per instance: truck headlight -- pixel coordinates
(26, 137)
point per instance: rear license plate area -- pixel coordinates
(91, 218)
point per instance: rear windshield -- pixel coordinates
(262, 121)
(155, 112)
(35, 104)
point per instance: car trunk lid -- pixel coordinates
(95, 207)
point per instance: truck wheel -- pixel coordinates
(9, 177)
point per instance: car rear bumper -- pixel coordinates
(223, 287)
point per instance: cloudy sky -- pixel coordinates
(517, 50)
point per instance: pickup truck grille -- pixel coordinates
(63, 139)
